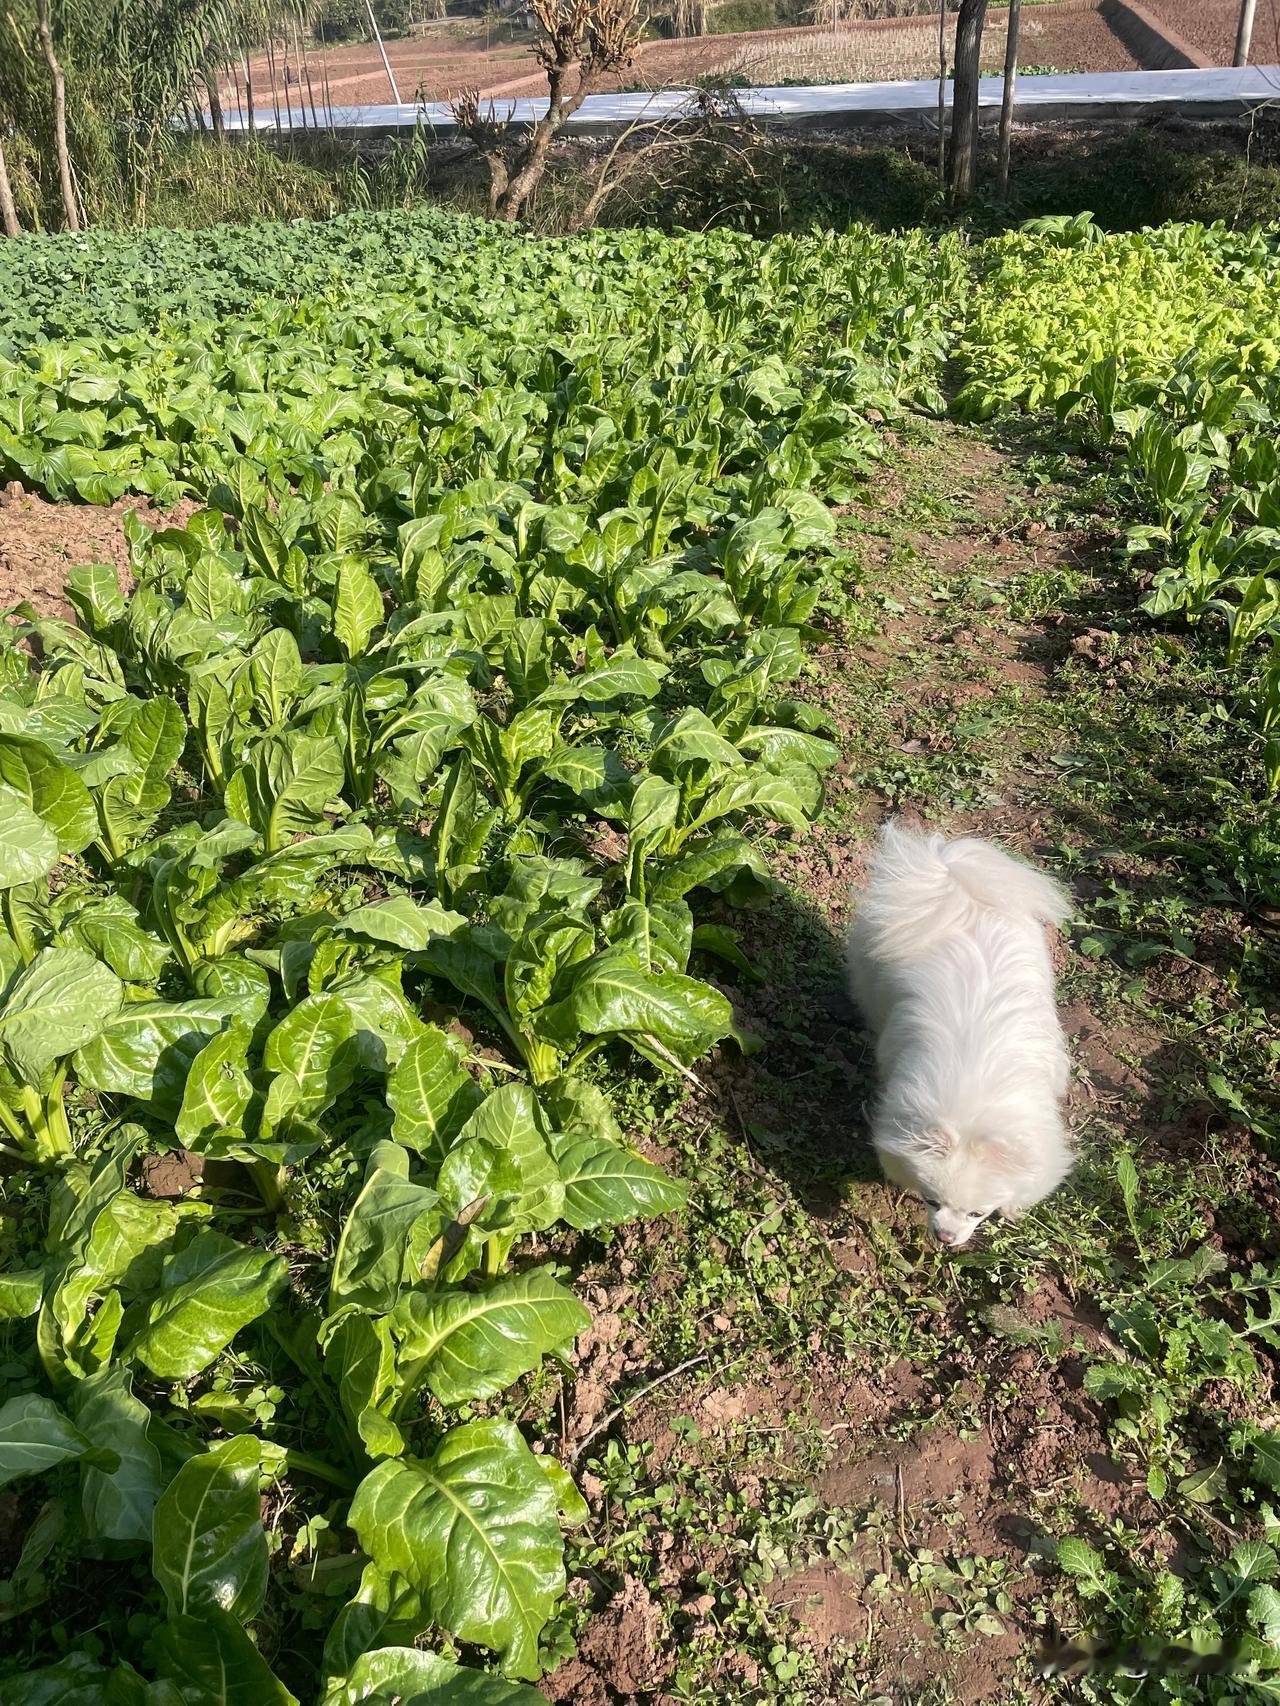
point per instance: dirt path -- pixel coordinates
(857, 1492)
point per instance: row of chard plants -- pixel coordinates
(468, 692)
(1161, 350)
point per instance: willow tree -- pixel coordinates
(95, 91)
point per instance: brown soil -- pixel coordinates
(40, 541)
(1210, 25)
(1068, 34)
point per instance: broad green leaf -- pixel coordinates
(714, 861)
(128, 804)
(20, 1292)
(1264, 1613)
(508, 1121)
(287, 787)
(94, 589)
(218, 1088)
(54, 792)
(593, 774)
(759, 794)
(461, 827)
(389, 1218)
(357, 607)
(385, 1020)
(1253, 1561)
(212, 1662)
(117, 1243)
(245, 987)
(28, 847)
(385, 1612)
(1080, 1560)
(475, 1529)
(110, 931)
(654, 808)
(360, 1360)
(310, 1054)
(78, 1680)
(209, 1292)
(401, 922)
(405, 1676)
(607, 1185)
(430, 1095)
(468, 962)
(147, 1049)
(62, 1000)
(118, 1505)
(625, 676)
(275, 675)
(470, 1345)
(675, 1018)
(34, 1436)
(209, 1554)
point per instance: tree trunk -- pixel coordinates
(210, 79)
(69, 211)
(1007, 93)
(8, 212)
(532, 159)
(964, 98)
(533, 163)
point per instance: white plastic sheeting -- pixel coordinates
(1115, 94)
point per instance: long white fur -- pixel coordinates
(950, 966)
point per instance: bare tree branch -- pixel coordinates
(598, 38)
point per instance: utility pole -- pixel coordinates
(1244, 34)
(386, 63)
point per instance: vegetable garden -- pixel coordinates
(397, 816)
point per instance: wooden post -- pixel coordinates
(1007, 93)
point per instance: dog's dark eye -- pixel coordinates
(930, 1202)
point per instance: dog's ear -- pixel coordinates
(995, 1156)
(942, 1139)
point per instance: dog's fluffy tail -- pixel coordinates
(923, 887)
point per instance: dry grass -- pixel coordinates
(856, 55)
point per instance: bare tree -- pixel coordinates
(69, 210)
(8, 211)
(596, 36)
(964, 100)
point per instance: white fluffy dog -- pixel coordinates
(950, 965)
